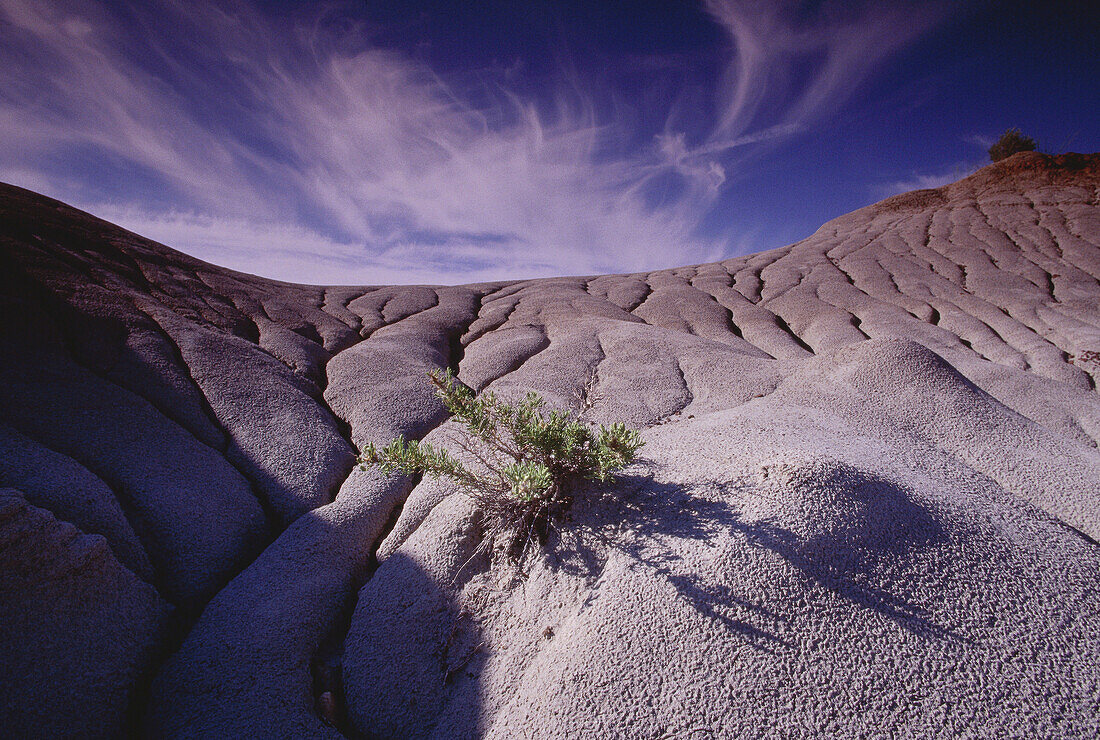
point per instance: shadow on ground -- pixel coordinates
(860, 560)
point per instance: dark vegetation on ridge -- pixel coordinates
(1011, 142)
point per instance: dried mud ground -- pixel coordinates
(869, 502)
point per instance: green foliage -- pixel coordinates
(526, 463)
(1011, 142)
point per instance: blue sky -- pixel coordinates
(396, 141)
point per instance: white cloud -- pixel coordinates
(373, 147)
(289, 155)
(929, 180)
(981, 141)
(289, 250)
(787, 73)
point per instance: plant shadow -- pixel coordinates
(643, 518)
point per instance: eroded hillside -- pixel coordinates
(871, 498)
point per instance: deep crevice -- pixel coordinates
(857, 322)
(687, 388)
(733, 326)
(52, 306)
(179, 623)
(641, 301)
(782, 324)
(326, 665)
(342, 424)
(272, 519)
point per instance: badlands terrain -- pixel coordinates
(868, 504)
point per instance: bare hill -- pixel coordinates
(869, 505)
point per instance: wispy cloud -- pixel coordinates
(981, 140)
(295, 148)
(929, 180)
(789, 71)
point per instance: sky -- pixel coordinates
(432, 141)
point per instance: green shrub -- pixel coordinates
(1011, 142)
(526, 464)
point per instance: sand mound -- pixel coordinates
(869, 504)
(776, 565)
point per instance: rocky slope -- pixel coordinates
(869, 505)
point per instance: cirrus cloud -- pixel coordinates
(294, 147)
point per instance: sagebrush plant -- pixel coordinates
(526, 463)
(1011, 142)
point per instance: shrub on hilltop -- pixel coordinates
(1011, 142)
(525, 466)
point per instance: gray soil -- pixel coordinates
(868, 504)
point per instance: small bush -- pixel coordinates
(527, 464)
(1011, 142)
